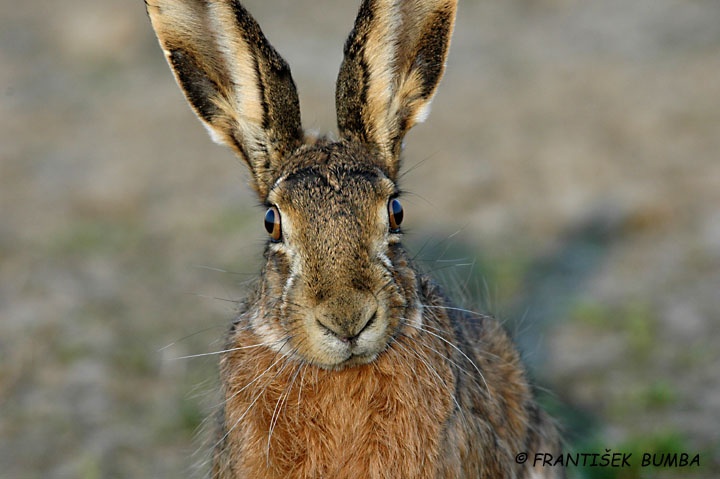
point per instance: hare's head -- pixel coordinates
(337, 287)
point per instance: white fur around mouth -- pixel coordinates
(362, 349)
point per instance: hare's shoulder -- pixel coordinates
(477, 334)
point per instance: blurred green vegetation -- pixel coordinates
(635, 322)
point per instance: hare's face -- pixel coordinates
(337, 285)
(339, 280)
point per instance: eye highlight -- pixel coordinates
(272, 223)
(395, 214)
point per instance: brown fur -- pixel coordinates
(392, 418)
(356, 422)
(345, 362)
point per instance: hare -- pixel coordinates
(345, 361)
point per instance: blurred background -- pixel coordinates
(567, 181)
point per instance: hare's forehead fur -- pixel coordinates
(332, 182)
(333, 196)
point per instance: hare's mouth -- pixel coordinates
(333, 350)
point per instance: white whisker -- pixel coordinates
(441, 382)
(453, 308)
(230, 350)
(214, 298)
(282, 400)
(420, 328)
(257, 396)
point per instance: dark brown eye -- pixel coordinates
(272, 223)
(395, 213)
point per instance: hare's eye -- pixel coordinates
(272, 223)
(395, 213)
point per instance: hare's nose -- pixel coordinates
(348, 323)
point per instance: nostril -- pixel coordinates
(347, 333)
(363, 327)
(369, 322)
(333, 332)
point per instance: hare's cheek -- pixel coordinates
(373, 340)
(268, 332)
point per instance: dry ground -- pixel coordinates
(573, 147)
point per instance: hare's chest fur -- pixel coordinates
(385, 419)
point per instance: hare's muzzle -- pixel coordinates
(348, 329)
(347, 318)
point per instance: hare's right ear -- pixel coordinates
(394, 58)
(235, 81)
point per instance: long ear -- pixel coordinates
(235, 81)
(394, 58)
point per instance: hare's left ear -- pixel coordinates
(236, 82)
(394, 58)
